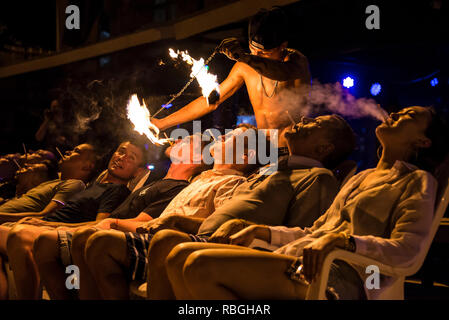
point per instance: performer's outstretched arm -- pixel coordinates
(199, 107)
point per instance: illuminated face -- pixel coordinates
(310, 133)
(188, 150)
(37, 156)
(29, 171)
(76, 158)
(404, 127)
(274, 53)
(225, 148)
(125, 161)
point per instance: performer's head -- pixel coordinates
(328, 139)
(416, 135)
(267, 33)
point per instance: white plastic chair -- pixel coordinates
(395, 291)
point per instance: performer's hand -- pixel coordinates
(232, 49)
(226, 230)
(157, 123)
(315, 252)
(244, 237)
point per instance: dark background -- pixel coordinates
(409, 50)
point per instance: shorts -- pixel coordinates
(65, 247)
(138, 245)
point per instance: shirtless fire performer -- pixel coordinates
(268, 70)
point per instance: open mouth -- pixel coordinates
(117, 165)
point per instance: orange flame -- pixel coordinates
(207, 81)
(140, 117)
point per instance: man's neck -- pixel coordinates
(389, 157)
(109, 178)
(66, 175)
(180, 172)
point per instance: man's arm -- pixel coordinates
(295, 68)
(13, 217)
(199, 107)
(294, 65)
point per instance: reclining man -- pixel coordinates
(297, 194)
(145, 203)
(204, 195)
(77, 168)
(94, 203)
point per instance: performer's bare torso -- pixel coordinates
(268, 109)
(270, 101)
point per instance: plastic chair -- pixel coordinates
(395, 291)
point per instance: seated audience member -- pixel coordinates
(292, 196)
(146, 203)
(77, 168)
(11, 164)
(203, 196)
(92, 204)
(384, 213)
(298, 193)
(33, 175)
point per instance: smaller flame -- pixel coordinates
(207, 81)
(140, 117)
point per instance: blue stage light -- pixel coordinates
(375, 89)
(150, 167)
(434, 82)
(348, 82)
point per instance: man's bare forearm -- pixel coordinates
(194, 110)
(188, 224)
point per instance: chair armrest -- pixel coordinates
(317, 289)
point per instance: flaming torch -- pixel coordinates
(200, 71)
(140, 116)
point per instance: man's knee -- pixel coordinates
(20, 236)
(177, 257)
(45, 247)
(79, 241)
(106, 246)
(163, 242)
(197, 266)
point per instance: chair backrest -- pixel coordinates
(344, 171)
(441, 203)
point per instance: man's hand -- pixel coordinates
(157, 123)
(315, 252)
(105, 224)
(227, 229)
(247, 235)
(232, 49)
(157, 224)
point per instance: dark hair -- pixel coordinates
(343, 139)
(269, 28)
(141, 142)
(437, 131)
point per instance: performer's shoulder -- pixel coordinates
(295, 53)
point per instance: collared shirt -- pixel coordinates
(389, 216)
(294, 195)
(206, 193)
